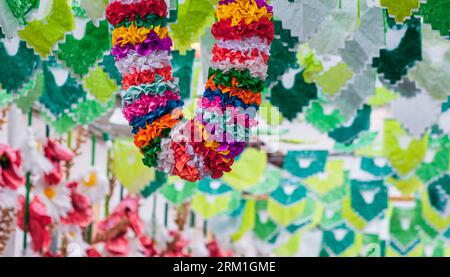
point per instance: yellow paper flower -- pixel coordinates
(242, 10)
(131, 35)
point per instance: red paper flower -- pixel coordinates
(263, 28)
(56, 153)
(10, 166)
(118, 12)
(38, 223)
(126, 213)
(215, 251)
(81, 213)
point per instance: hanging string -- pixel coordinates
(385, 19)
(94, 141)
(359, 13)
(166, 215)
(192, 220)
(205, 228)
(27, 194)
(106, 139)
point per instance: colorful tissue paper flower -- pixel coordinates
(10, 168)
(81, 212)
(38, 223)
(117, 12)
(207, 145)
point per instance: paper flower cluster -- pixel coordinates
(207, 144)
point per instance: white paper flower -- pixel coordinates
(34, 160)
(55, 198)
(94, 184)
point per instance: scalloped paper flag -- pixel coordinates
(403, 152)
(43, 34)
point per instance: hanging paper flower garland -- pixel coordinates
(206, 145)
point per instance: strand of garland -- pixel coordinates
(206, 145)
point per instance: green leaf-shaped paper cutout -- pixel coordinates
(311, 64)
(305, 163)
(264, 226)
(43, 34)
(376, 166)
(440, 162)
(439, 195)
(394, 63)
(210, 205)
(334, 79)
(284, 215)
(81, 55)
(26, 102)
(282, 58)
(361, 144)
(17, 70)
(188, 28)
(100, 85)
(403, 160)
(60, 99)
(291, 101)
(160, 180)
(332, 178)
(247, 170)
(435, 13)
(128, 167)
(178, 191)
(382, 97)
(400, 10)
(289, 192)
(269, 182)
(407, 185)
(339, 239)
(20, 8)
(322, 120)
(360, 123)
(211, 186)
(8, 98)
(405, 237)
(182, 66)
(248, 220)
(109, 66)
(368, 198)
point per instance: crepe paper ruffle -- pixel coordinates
(147, 104)
(117, 12)
(242, 10)
(134, 62)
(203, 146)
(147, 76)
